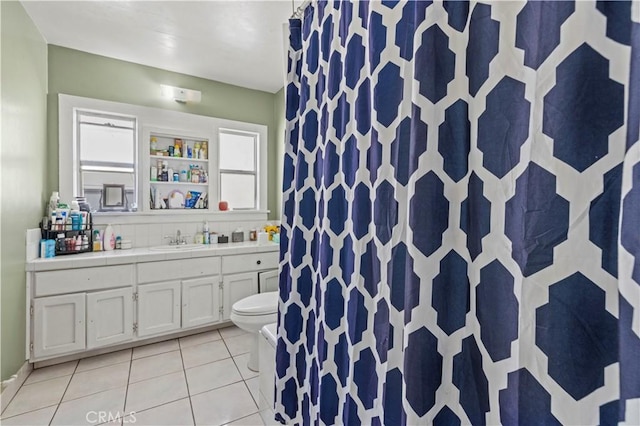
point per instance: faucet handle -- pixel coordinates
(183, 239)
(171, 240)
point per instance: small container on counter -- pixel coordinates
(222, 239)
(198, 238)
(237, 236)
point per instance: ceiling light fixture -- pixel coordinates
(180, 94)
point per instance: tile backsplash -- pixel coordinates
(152, 234)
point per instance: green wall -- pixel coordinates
(73, 72)
(23, 154)
(280, 123)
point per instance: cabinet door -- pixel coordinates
(109, 317)
(269, 281)
(200, 301)
(158, 308)
(236, 287)
(58, 324)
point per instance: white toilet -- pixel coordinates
(251, 314)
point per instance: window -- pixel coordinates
(106, 155)
(238, 168)
(105, 145)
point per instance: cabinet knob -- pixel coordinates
(259, 262)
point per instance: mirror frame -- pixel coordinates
(113, 196)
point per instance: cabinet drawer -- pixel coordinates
(83, 279)
(178, 269)
(249, 262)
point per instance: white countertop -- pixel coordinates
(137, 255)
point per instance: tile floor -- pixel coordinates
(201, 379)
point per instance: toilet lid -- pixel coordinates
(258, 304)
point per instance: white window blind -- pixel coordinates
(238, 165)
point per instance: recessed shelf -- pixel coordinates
(173, 183)
(166, 157)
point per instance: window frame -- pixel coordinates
(78, 184)
(165, 121)
(254, 172)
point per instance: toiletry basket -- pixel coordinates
(63, 234)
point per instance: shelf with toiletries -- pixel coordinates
(178, 170)
(176, 159)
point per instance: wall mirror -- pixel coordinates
(113, 196)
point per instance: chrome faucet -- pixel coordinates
(179, 239)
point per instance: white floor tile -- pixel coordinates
(254, 387)
(104, 360)
(51, 372)
(231, 331)
(174, 413)
(252, 420)
(222, 405)
(32, 418)
(213, 375)
(241, 362)
(204, 353)
(156, 365)
(97, 380)
(114, 422)
(36, 396)
(268, 418)
(155, 348)
(93, 409)
(157, 391)
(197, 339)
(240, 344)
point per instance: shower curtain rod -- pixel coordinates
(297, 13)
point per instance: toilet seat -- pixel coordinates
(257, 305)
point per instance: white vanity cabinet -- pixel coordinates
(80, 309)
(240, 276)
(236, 287)
(177, 294)
(109, 317)
(200, 301)
(58, 325)
(158, 308)
(269, 281)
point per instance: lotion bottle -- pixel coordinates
(109, 239)
(205, 232)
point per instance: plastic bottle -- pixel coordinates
(97, 242)
(205, 232)
(53, 203)
(109, 239)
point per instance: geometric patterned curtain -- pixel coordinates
(461, 214)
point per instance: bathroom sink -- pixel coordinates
(180, 247)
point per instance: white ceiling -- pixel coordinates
(234, 41)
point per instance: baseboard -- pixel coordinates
(10, 386)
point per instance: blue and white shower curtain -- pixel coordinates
(461, 214)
